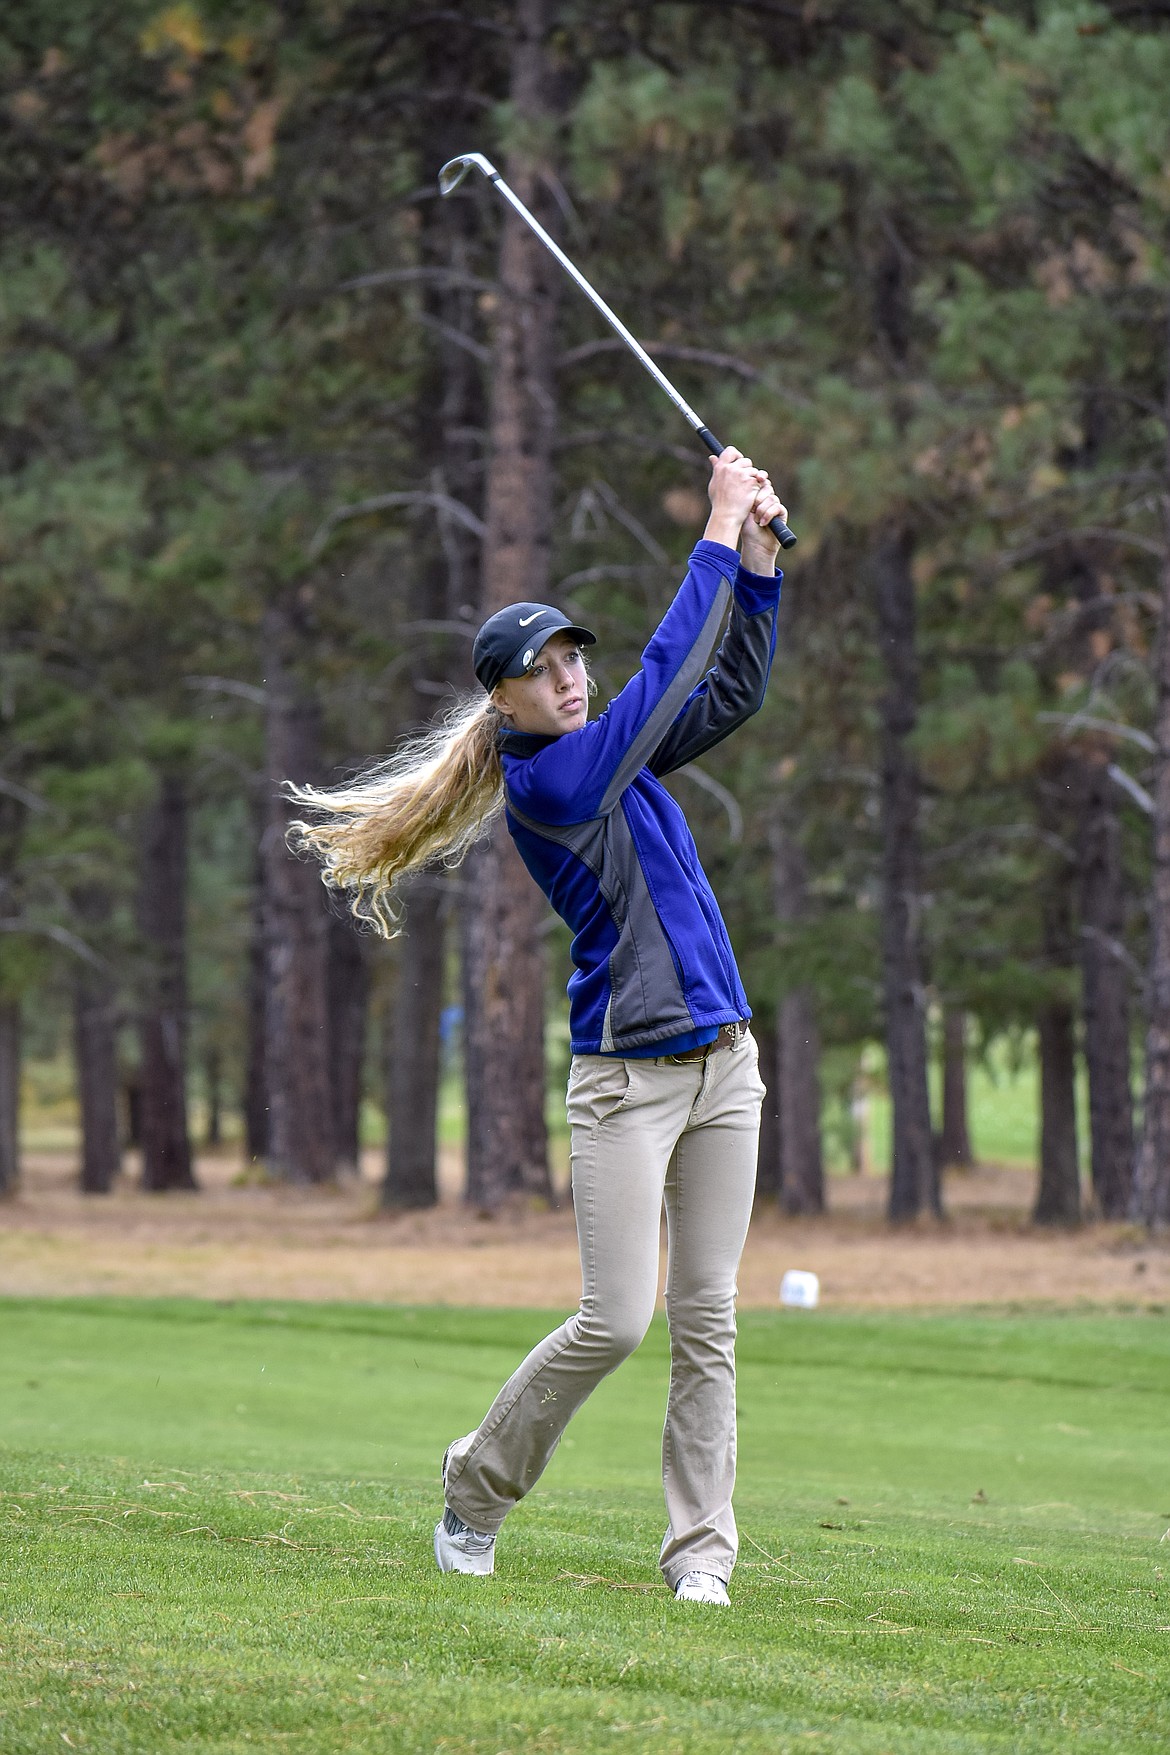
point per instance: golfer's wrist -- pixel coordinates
(723, 527)
(761, 561)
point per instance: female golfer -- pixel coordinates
(664, 1091)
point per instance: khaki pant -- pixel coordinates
(642, 1131)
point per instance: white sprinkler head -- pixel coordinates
(800, 1290)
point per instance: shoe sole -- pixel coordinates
(458, 1571)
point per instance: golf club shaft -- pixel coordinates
(780, 530)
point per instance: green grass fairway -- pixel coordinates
(217, 1537)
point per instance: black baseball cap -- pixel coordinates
(508, 642)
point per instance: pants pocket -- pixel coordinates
(751, 1047)
(599, 1086)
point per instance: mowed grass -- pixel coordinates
(217, 1537)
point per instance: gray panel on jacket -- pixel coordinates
(641, 963)
(735, 691)
(689, 676)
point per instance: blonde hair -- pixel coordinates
(428, 803)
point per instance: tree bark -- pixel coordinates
(1058, 1197)
(95, 1053)
(132, 1092)
(1151, 1202)
(503, 1010)
(348, 1000)
(768, 1157)
(412, 1071)
(449, 591)
(954, 1145)
(162, 912)
(256, 1067)
(802, 1175)
(213, 1082)
(9, 1097)
(1105, 986)
(296, 1015)
(503, 959)
(11, 826)
(1058, 1194)
(914, 1177)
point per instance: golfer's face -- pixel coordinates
(553, 696)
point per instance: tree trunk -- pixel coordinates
(213, 1080)
(1152, 1183)
(9, 1097)
(913, 1175)
(95, 1051)
(503, 968)
(503, 1033)
(1105, 983)
(449, 587)
(768, 1158)
(1058, 1195)
(96, 1059)
(162, 909)
(802, 1176)
(11, 826)
(348, 998)
(296, 1014)
(857, 1097)
(412, 1070)
(256, 1069)
(954, 1145)
(132, 1092)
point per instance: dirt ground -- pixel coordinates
(232, 1240)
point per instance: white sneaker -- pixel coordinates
(702, 1587)
(459, 1548)
(463, 1549)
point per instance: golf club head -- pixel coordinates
(455, 169)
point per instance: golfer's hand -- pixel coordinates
(759, 544)
(733, 489)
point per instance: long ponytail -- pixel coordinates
(427, 803)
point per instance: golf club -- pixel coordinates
(450, 177)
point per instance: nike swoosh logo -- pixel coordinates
(525, 619)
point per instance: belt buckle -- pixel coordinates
(689, 1056)
(729, 1036)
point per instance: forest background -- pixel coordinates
(279, 427)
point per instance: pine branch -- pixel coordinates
(387, 502)
(452, 279)
(726, 798)
(1084, 532)
(228, 685)
(1075, 722)
(59, 934)
(1129, 785)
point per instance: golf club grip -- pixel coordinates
(785, 537)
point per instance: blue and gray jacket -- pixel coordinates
(654, 969)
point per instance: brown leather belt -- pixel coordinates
(730, 1036)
